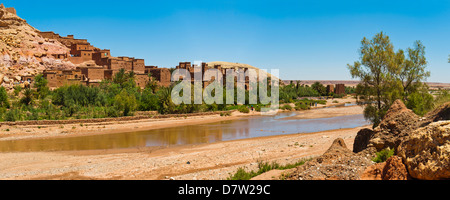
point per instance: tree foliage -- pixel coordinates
(387, 75)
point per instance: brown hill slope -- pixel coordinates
(23, 51)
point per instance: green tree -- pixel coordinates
(411, 71)
(387, 76)
(321, 89)
(125, 102)
(376, 72)
(4, 100)
(27, 98)
(421, 101)
(40, 83)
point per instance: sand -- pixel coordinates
(327, 113)
(207, 161)
(214, 161)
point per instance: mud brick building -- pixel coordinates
(340, 89)
(162, 75)
(330, 89)
(106, 66)
(58, 78)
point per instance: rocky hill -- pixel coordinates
(421, 144)
(23, 52)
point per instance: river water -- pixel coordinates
(252, 127)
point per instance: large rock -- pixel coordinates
(337, 163)
(439, 114)
(426, 152)
(395, 169)
(398, 122)
(362, 140)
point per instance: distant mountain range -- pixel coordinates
(351, 83)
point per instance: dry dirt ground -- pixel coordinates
(214, 161)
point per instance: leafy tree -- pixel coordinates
(152, 83)
(166, 105)
(149, 100)
(40, 83)
(125, 102)
(375, 70)
(4, 102)
(411, 71)
(321, 89)
(27, 98)
(421, 102)
(17, 90)
(387, 76)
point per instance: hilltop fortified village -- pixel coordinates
(26, 52)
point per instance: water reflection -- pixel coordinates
(195, 134)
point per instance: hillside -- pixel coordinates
(23, 51)
(352, 83)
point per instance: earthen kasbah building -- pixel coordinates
(95, 65)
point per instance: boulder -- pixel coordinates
(337, 163)
(426, 152)
(398, 122)
(6, 79)
(439, 114)
(395, 169)
(362, 140)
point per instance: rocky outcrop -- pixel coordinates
(426, 152)
(362, 139)
(398, 122)
(439, 114)
(394, 169)
(337, 163)
(23, 52)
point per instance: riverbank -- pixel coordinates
(20, 132)
(214, 161)
(207, 161)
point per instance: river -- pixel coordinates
(251, 127)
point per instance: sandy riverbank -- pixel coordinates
(328, 112)
(18, 132)
(206, 161)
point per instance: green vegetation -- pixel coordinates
(286, 107)
(387, 75)
(263, 167)
(244, 109)
(383, 155)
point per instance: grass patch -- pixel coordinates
(286, 107)
(263, 167)
(244, 109)
(383, 155)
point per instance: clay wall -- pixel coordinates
(340, 89)
(162, 75)
(141, 80)
(93, 73)
(138, 66)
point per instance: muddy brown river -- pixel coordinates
(252, 127)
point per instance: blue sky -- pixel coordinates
(306, 40)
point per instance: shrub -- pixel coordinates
(286, 107)
(383, 155)
(244, 109)
(301, 106)
(263, 167)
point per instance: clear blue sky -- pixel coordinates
(306, 40)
